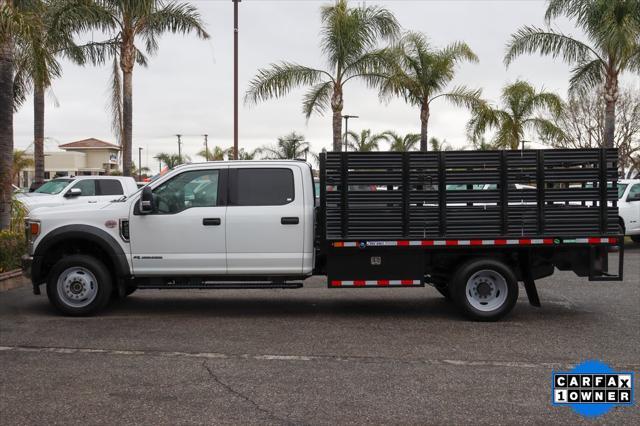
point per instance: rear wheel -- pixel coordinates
(635, 238)
(79, 285)
(484, 289)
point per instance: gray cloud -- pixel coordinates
(188, 86)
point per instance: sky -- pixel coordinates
(188, 86)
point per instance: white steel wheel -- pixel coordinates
(77, 287)
(487, 290)
(484, 289)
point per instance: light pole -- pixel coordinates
(235, 78)
(346, 128)
(179, 148)
(206, 147)
(139, 163)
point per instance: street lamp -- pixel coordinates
(235, 78)
(206, 147)
(346, 128)
(139, 163)
(179, 148)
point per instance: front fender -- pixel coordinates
(86, 233)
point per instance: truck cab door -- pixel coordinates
(265, 220)
(632, 207)
(185, 233)
(88, 192)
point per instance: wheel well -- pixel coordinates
(622, 226)
(75, 246)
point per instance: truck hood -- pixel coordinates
(79, 210)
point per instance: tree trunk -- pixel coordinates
(424, 124)
(6, 131)
(336, 106)
(127, 121)
(610, 97)
(38, 133)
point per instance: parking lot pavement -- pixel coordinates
(312, 356)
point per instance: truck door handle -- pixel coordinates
(290, 220)
(211, 221)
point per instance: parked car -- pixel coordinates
(629, 207)
(80, 189)
(254, 225)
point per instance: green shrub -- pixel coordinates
(12, 246)
(12, 240)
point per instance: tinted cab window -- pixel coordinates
(88, 187)
(110, 187)
(197, 188)
(261, 187)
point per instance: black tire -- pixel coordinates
(115, 294)
(635, 238)
(101, 288)
(504, 277)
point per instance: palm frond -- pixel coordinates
(280, 79)
(462, 96)
(317, 99)
(585, 76)
(177, 18)
(546, 130)
(529, 40)
(459, 51)
(115, 101)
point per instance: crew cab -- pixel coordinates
(383, 220)
(76, 190)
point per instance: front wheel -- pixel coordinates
(484, 289)
(79, 285)
(635, 238)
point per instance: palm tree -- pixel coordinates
(18, 23)
(481, 144)
(522, 111)
(612, 28)
(421, 74)
(401, 143)
(217, 154)
(246, 155)
(349, 40)
(20, 162)
(127, 21)
(37, 64)
(437, 145)
(365, 141)
(170, 160)
(289, 147)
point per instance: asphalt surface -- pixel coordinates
(312, 356)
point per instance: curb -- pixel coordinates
(11, 279)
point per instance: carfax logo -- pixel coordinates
(592, 388)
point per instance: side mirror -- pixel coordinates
(73, 192)
(146, 201)
(634, 197)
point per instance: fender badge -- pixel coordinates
(111, 223)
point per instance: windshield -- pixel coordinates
(621, 188)
(53, 186)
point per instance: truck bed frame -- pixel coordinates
(388, 218)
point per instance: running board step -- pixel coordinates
(215, 285)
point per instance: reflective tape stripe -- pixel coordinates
(373, 283)
(497, 242)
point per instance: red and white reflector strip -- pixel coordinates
(495, 242)
(374, 283)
